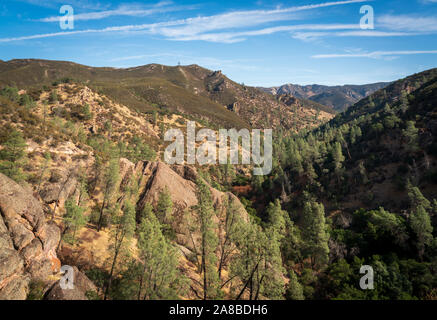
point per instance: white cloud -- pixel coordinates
(83, 4)
(231, 37)
(374, 55)
(408, 23)
(239, 19)
(203, 28)
(358, 33)
(105, 30)
(124, 10)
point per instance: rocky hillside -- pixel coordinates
(28, 245)
(337, 97)
(80, 161)
(205, 95)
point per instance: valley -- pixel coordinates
(84, 182)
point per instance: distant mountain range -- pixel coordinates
(337, 97)
(192, 91)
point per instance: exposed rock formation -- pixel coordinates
(27, 242)
(180, 181)
(13, 280)
(82, 285)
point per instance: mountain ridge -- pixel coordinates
(338, 97)
(192, 90)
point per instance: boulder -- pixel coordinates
(82, 285)
(57, 293)
(60, 187)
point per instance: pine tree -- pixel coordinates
(228, 174)
(411, 134)
(164, 213)
(87, 112)
(11, 93)
(13, 156)
(270, 275)
(257, 182)
(110, 183)
(231, 229)
(155, 118)
(164, 208)
(420, 220)
(159, 275)
(294, 288)
(74, 218)
(276, 217)
(43, 170)
(147, 211)
(121, 236)
(82, 188)
(416, 197)
(44, 114)
(139, 151)
(258, 264)
(421, 225)
(26, 101)
(208, 242)
(53, 96)
(315, 233)
(337, 156)
(248, 258)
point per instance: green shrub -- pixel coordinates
(36, 290)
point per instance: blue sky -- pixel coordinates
(262, 43)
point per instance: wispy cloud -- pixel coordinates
(194, 27)
(202, 28)
(231, 37)
(125, 10)
(104, 30)
(410, 23)
(82, 4)
(306, 36)
(373, 55)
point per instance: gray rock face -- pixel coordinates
(82, 285)
(60, 188)
(27, 242)
(180, 181)
(57, 293)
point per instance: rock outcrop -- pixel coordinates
(13, 280)
(180, 181)
(28, 246)
(82, 285)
